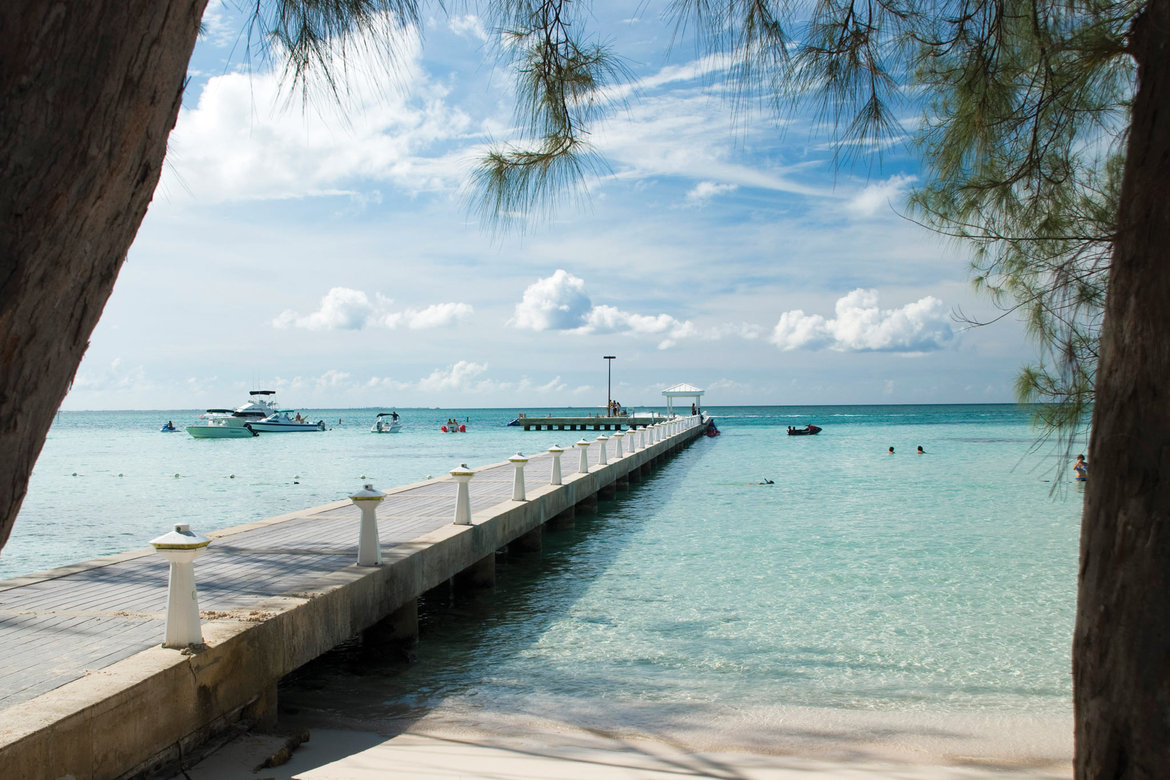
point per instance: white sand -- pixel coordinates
(828, 743)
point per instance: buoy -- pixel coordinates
(231, 476)
(176, 476)
(119, 474)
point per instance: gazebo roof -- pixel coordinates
(683, 389)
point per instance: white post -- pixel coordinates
(181, 547)
(603, 440)
(617, 447)
(556, 453)
(583, 464)
(518, 461)
(369, 549)
(462, 476)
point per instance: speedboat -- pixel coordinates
(284, 422)
(386, 422)
(221, 424)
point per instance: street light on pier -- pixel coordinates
(609, 383)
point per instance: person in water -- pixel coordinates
(891, 450)
(1081, 468)
(920, 450)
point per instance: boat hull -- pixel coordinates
(271, 427)
(220, 431)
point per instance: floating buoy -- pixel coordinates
(231, 476)
(176, 476)
(119, 474)
(75, 473)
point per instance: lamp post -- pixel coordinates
(609, 383)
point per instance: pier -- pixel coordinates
(598, 422)
(87, 689)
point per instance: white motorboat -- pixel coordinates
(221, 424)
(284, 422)
(386, 422)
(235, 423)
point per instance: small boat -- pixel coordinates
(453, 426)
(283, 422)
(169, 427)
(711, 429)
(386, 422)
(221, 424)
(808, 430)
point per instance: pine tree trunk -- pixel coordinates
(1121, 650)
(89, 92)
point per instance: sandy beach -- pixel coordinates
(822, 742)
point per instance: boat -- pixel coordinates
(221, 424)
(386, 422)
(711, 430)
(808, 430)
(234, 423)
(284, 422)
(453, 426)
(169, 427)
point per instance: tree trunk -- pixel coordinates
(1121, 650)
(89, 92)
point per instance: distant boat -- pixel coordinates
(808, 430)
(169, 427)
(386, 422)
(453, 426)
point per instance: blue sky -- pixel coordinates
(329, 252)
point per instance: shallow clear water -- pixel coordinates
(859, 580)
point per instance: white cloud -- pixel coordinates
(343, 308)
(556, 303)
(860, 326)
(252, 136)
(880, 196)
(437, 315)
(468, 26)
(457, 377)
(706, 190)
(560, 302)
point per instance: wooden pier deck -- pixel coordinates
(87, 690)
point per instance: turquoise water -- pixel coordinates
(858, 581)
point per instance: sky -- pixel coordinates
(329, 248)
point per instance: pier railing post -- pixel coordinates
(583, 463)
(518, 461)
(617, 446)
(556, 451)
(603, 440)
(369, 549)
(181, 547)
(462, 476)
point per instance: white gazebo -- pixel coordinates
(682, 391)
